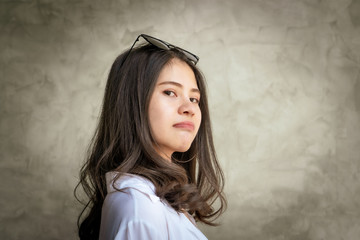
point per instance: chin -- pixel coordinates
(183, 148)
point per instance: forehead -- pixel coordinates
(178, 71)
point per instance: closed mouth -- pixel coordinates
(185, 125)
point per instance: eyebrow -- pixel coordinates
(179, 85)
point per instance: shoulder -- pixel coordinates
(136, 198)
(134, 207)
(130, 181)
(132, 204)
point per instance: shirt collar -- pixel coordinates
(133, 181)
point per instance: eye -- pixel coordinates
(169, 93)
(194, 100)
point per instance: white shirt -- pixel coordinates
(137, 213)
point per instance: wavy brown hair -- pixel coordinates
(122, 142)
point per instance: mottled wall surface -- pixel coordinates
(284, 90)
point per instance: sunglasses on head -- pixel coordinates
(164, 45)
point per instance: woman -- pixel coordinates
(152, 168)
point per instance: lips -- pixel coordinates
(185, 125)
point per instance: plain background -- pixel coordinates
(284, 87)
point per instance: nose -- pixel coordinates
(187, 107)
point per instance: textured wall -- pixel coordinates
(285, 98)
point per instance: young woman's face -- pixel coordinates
(174, 111)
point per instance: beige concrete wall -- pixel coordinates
(284, 84)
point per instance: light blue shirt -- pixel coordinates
(137, 213)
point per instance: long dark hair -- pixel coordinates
(192, 181)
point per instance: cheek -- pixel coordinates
(154, 118)
(198, 119)
(159, 114)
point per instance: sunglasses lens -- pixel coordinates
(156, 43)
(190, 56)
(166, 46)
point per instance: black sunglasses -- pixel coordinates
(164, 45)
